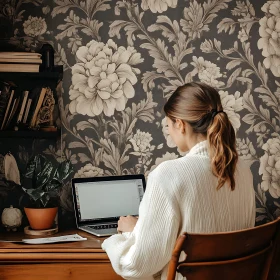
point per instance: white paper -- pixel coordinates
(64, 238)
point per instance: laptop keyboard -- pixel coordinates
(104, 226)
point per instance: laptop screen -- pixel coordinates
(107, 199)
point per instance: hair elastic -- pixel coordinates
(214, 112)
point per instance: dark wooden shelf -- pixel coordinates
(29, 81)
(6, 76)
(29, 134)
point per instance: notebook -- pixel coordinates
(100, 201)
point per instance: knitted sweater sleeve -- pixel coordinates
(145, 251)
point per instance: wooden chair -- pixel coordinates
(239, 255)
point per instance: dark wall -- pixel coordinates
(122, 60)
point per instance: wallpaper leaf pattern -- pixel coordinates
(122, 61)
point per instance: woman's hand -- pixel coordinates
(126, 224)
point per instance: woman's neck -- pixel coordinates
(195, 139)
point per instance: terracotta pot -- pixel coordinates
(41, 218)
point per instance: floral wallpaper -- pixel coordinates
(123, 59)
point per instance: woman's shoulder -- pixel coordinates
(164, 167)
(243, 167)
(178, 165)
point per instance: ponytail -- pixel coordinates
(222, 149)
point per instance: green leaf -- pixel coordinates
(45, 175)
(35, 194)
(51, 186)
(45, 199)
(34, 166)
(63, 171)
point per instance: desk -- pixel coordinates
(58, 261)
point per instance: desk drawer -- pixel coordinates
(61, 271)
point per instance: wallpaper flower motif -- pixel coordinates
(89, 171)
(270, 167)
(232, 104)
(103, 78)
(141, 143)
(34, 26)
(270, 36)
(207, 71)
(246, 149)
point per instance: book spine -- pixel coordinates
(20, 115)
(5, 67)
(4, 99)
(38, 106)
(14, 108)
(27, 110)
(8, 109)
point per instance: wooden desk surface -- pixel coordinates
(92, 244)
(58, 261)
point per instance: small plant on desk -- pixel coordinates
(42, 182)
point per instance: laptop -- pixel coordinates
(100, 201)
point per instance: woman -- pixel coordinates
(208, 190)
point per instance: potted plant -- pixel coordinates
(42, 182)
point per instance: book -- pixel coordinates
(23, 104)
(34, 95)
(19, 54)
(9, 106)
(21, 60)
(4, 99)
(28, 105)
(6, 67)
(13, 111)
(38, 106)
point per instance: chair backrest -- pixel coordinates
(229, 255)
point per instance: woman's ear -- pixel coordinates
(180, 125)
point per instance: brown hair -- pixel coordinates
(200, 106)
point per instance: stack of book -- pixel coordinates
(19, 62)
(19, 109)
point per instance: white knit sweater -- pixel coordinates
(181, 196)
